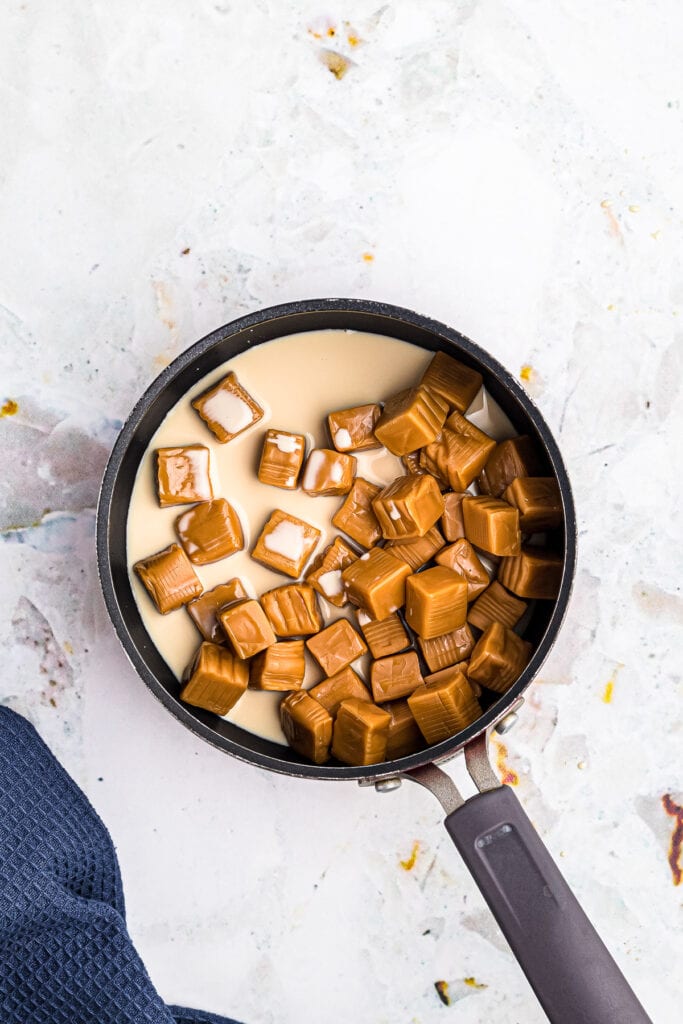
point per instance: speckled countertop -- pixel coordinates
(514, 170)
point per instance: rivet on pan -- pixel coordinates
(387, 785)
(506, 723)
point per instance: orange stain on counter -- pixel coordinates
(442, 992)
(527, 372)
(9, 408)
(473, 983)
(507, 775)
(409, 864)
(368, 257)
(675, 810)
(608, 692)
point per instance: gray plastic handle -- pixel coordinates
(568, 965)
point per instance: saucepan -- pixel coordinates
(570, 969)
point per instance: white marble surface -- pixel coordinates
(513, 169)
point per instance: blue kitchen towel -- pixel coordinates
(65, 953)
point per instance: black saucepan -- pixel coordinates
(566, 962)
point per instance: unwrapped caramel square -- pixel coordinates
(495, 604)
(376, 582)
(538, 500)
(456, 459)
(452, 522)
(338, 688)
(448, 649)
(355, 516)
(436, 601)
(203, 610)
(216, 679)
(325, 573)
(383, 636)
(452, 380)
(307, 726)
(408, 507)
(280, 667)
(492, 525)
(445, 706)
(246, 627)
(515, 457)
(418, 551)
(210, 531)
(183, 475)
(534, 573)
(169, 578)
(292, 610)
(352, 430)
(498, 658)
(410, 420)
(227, 409)
(328, 472)
(285, 543)
(281, 458)
(360, 733)
(336, 646)
(404, 735)
(461, 557)
(395, 676)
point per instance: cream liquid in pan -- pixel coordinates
(297, 380)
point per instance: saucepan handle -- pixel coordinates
(569, 967)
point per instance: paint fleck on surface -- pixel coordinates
(473, 983)
(409, 864)
(675, 810)
(442, 992)
(9, 408)
(527, 372)
(608, 692)
(368, 257)
(612, 222)
(335, 62)
(186, 252)
(507, 776)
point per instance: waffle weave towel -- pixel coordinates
(65, 953)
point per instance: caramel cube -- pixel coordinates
(376, 582)
(436, 601)
(325, 574)
(246, 627)
(169, 578)
(447, 674)
(336, 646)
(328, 472)
(355, 516)
(509, 459)
(456, 459)
(395, 676)
(410, 420)
(204, 609)
(383, 636)
(183, 475)
(538, 500)
(307, 726)
(496, 605)
(408, 507)
(498, 658)
(461, 557)
(452, 522)
(452, 380)
(419, 551)
(285, 543)
(404, 735)
(338, 688)
(292, 610)
(534, 573)
(210, 531)
(459, 424)
(443, 707)
(216, 679)
(411, 462)
(492, 525)
(280, 667)
(281, 458)
(352, 430)
(448, 649)
(227, 409)
(360, 733)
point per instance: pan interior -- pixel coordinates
(173, 384)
